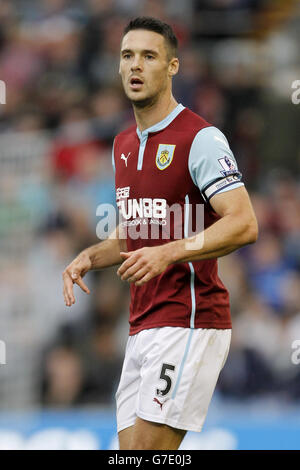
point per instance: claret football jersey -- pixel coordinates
(165, 177)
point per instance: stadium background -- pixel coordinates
(64, 104)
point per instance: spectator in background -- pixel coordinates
(90, 348)
(63, 378)
(268, 269)
(109, 113)
(75, 136)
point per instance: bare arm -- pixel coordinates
(236, 227)
(99, 256)
(107, 252)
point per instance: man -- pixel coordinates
(180, 324)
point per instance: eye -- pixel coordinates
(126, 56)
(149, 57)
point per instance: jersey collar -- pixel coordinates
(162, 124)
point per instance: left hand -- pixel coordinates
(142, 265)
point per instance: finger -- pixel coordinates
(144, 279)
(138, 275)
(65, 297)
(68, 289)
(68, 300)
(131, 271)
(75, 273)
(126, 254)
(127, 264)
(82, 285)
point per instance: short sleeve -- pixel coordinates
(212, 165)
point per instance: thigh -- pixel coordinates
(125, 438)
(146, 435)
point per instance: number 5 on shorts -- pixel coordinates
(165, 377)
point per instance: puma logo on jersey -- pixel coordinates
(157, 401)
(125, 158)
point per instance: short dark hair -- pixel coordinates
(158, 26)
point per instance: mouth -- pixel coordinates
(136, 83)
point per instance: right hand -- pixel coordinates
(73, 274)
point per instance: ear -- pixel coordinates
(173, 66)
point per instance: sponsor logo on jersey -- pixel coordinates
(142, 207)
(164, 156)
(122, 193)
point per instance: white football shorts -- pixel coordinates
(169, 376)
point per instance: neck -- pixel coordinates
(154, 112)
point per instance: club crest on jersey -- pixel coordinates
(228, 165)
(164, 156)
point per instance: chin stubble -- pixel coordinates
(144, 103)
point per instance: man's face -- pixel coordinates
(144, 66)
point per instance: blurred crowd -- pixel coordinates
(64, 105)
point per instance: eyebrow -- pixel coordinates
(144, 51)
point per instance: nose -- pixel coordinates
(136, 63)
